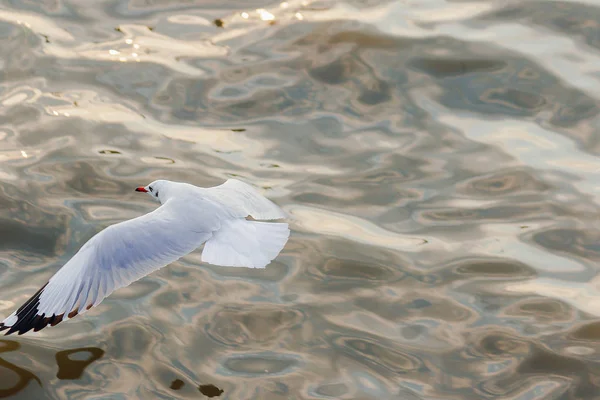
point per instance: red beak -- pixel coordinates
(141, 189)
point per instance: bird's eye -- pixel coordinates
(150, 187)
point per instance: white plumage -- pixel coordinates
(125, 252)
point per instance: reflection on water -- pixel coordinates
(14, 378)
(70, 367)
(210, 390)
(439, 160)
(177, 384)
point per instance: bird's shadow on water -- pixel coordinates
(70, 366)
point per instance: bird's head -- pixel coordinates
(158, 190)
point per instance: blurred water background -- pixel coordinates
(438, 158)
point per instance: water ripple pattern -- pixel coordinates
(438, 158)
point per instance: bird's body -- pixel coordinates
(125, 252)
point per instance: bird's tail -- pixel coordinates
(242, 243)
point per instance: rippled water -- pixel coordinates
(438, 158)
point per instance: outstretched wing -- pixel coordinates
(242, 200)
(241, 243)
(114, 258)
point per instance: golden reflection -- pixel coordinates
(42, 24)
(265, 15)
(245, 15)
(23, 153)
(23, 23)
(161, 49)
(357, 229)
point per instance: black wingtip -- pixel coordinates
(3, 328)
(27, 317)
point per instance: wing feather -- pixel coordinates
(243, 200)
(114, 258)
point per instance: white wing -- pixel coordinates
(114, 258)
(243, 200)
(241, 243)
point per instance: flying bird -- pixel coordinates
(188, 217)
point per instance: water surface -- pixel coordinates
(438, 159)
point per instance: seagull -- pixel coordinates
(188, 217)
